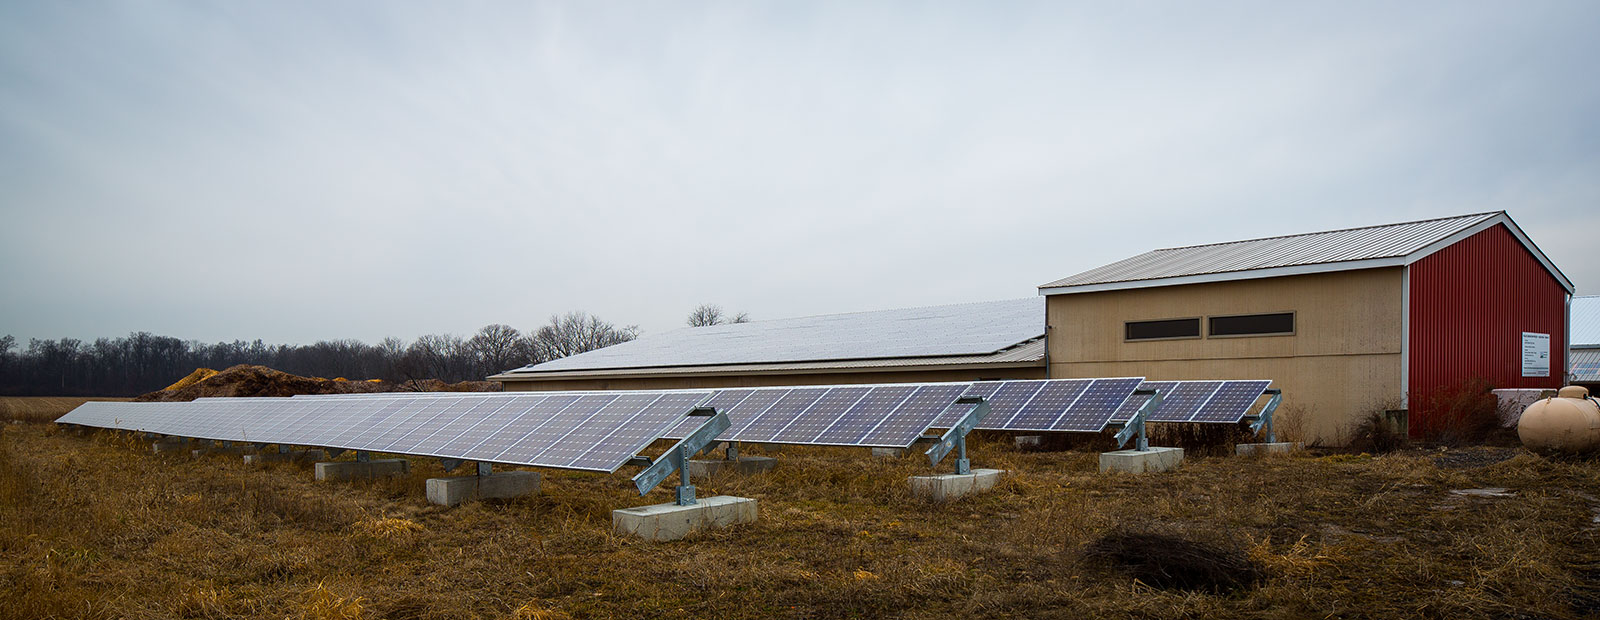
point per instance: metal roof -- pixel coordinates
(1584, 364)
(1025, 355)
(972, 329)
(1586, 321)
(1334, 250)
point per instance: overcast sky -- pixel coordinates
(296, 172)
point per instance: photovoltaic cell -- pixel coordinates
(723, 400)
(488, 438)
(1131, 406)
(1094, 408)
(482, 409)
(1008, 402)
(810, 423)
(780, 414)
(543, 429)
(865, 415)
(914, 416)
(952, 416)
(1231, 401)
(1184, 401)
(626, 440)
(1041, 413)
(561, 450)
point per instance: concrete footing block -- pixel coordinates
(1266, 449)
(461, 489)
(168, 447)
(223, 450)
(1138, 462)
(293, 456)
(746, 465)
(946, 487)
(663, 522)
(353, 470)
(1028, 442)
(888, 453)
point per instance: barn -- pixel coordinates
(1394, 319)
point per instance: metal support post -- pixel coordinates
(485, 469)
(450, 465)
(1264, 419)
(733, 450)
(362, 456)
(1134, 427)
(955, 439)
(283, 449)
(677, 457)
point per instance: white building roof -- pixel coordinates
(960, 330)
(1586, 321)
(1335, 250)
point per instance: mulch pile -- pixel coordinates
(248, 380)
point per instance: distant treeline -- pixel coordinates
(144, 362)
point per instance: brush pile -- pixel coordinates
(248, 380)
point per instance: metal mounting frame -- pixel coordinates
(1134, 427)
(1264, 419)
(676, 458)
(956, 438)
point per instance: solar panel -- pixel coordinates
(1230, 402)
(820, 415)
(1053, 399)
(628, 439)
(1135, 402)
(539, 428)
(1009, 398)
(1184, 401)
(779, 414)
(914, 416)
(1095, 406)
(560, 450)
(865, 415)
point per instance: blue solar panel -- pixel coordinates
(820, 415)
(1131, 406)
(742, 415)
(545, 429)
(490, 437)
(723, 400)
(602, 424)
(432, 410)
(952, 416)
(482, 409)
(1094, 408)
(1231, 401)
(1041, 413)
(625, 441)
(1008, 402)
(914, 416)
(865, 415)
(779, 415)
(1184, 401)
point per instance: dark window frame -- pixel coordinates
(1294, 325)
(1199, 327)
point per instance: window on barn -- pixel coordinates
(1164, 329)
(1275, 324)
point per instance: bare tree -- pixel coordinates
(712, 314)
(576, 332)
(499, 348)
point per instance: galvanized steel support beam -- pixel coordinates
(676, 458)
(956, 438)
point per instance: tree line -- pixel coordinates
(144, 362)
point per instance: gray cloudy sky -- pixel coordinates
(302, 171)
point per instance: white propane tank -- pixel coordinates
(1566, 424)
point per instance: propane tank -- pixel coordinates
(1569, 423)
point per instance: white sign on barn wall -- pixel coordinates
(1535, 354)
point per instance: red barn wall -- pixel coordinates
(1470, 303)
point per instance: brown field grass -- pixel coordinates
(42, 408)
(96, 527)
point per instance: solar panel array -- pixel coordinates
(853, 415)
(1224, 402)
(584, 431)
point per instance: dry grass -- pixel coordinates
(41, 408)
(95, 527)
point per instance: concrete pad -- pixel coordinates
(461, 489)
(223, 450)
(746, 465)
(1134, 461)
(663, 522)
(1267, 449)
(352, 470)
(888, 453)
(946, 487)
(294, 456)
(168, 447)
(1028, 442)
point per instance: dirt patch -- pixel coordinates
(1475, 457)
(248, 380)
(1174, 563)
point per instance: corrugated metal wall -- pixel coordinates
(1470, 303)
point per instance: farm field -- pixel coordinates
(94, 526)
(42, 408)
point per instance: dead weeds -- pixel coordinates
(96, 527)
